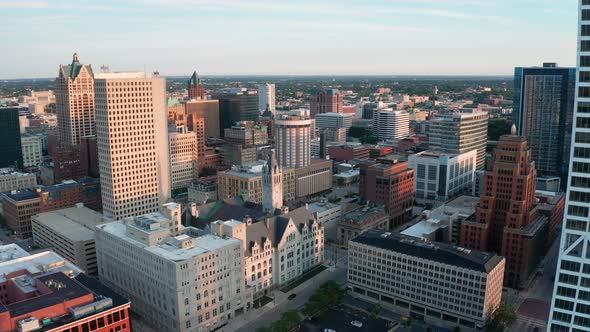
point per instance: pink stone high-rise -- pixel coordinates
(74, 98)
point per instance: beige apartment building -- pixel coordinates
(240, 182)
(10, 180)
(132, 133)
(313, 179)
(70, 233)
(293, 140)
(177, 281)
(74, 102)
(32, 150)
(425, 280)
(183, 158)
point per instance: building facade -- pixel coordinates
(17, 208)
(507, 220)
(32, 150)
(10, 149)
(74, 101)
(390, 125)
(440, 176)
(132, 134)
(314, 179)
(208, 110)
(266, 97)
(200, 191)
(70, 233)
(293, 141)
(183, 158)
(391, 185)
(570, 307)
(460, 132)
(236, 106)
(543, 113)
(360, 220)
(424, 280)
(197, 280)
(11, 180)
(326, 101)
(240, 183)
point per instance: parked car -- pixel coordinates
(356, 323)
(329, 330)
(291, 296)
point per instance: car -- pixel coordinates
(291, 296)
(356, 323)
(329, 330)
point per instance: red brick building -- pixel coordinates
(68, 193)
(56, 302)
(379, 151)
(197, 124)
(391, 185)
(326, 101)
(507, 220)
(348, 152)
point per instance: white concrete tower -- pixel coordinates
(272, 194)
(266, 97)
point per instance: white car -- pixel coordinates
(329, 330)
(356, 323)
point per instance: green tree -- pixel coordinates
(340, 182)
(497, 128)
(502, 318)
(369, 139)
(291, 319)
(358, 132)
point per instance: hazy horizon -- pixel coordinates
(284, 38)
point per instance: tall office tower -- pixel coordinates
(132, 132)
(391, 185)
(10, 149)
(391, 125)
(196, 124)
(207, 110)
(74, 101)
(235, 106)
(266, 97)
(459, 132)
(334, 126)
(190, 281)
(543, 114)
(272, 183)
(195, 87)
(570, 308)
(507, 219)
(293, 141)
(183, 158)
(326, 101)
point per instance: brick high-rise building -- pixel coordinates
(196, 124)
(207, 110)
(195, 87)
(132, 133)
(391, 185)
(326, 101)
(507, 220)
(74, 99)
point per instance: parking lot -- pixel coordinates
(339, 320)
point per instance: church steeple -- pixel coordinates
(272, 198)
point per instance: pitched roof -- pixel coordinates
(72, 70)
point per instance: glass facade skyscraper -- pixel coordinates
(543, 114)
(10, 145)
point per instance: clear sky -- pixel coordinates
(301, 37)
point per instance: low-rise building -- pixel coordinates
(69, 193)
(348, 152)
(177, 280)
(44, 292)
(278, 249)
(347, 178)
(427, 281)
(240, 182)
(440, 176)
(18, 207)
(32, 150)
(201, 191)
(328, 214)
(70, 233)
(360, 220)
(314, 179)
(11, 180)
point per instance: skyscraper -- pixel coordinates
(459, 132)
(266, 97)
(543, 114)
(183, 158)
(570, 307)
(74, 101)
(208, 110)
(195, 87)
(235, 106)
(325, 101)
(391, 125)
(507, 220)
(10, 148)
(132, 134)
(293, 141)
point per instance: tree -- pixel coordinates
(358, 132)
(497, 128)
(291, 319)
(340, 182)
(501, 319)
(369, 139)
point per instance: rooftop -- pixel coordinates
(22, 195)
(75, 223)
(11, 251)
(364, 214)
(320, 206)
(43, 262)
(437, 252)
(123, 75)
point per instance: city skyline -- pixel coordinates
(332, 38)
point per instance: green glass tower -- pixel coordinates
(10, 146)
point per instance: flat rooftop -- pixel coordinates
(364, 213)
(123, 75)
(22, 195)
(42, 262)
(434, 251)
(11, 251)
(75, 223)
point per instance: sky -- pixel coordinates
(287, 37)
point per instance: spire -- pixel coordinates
(513, 130)
(76, 58)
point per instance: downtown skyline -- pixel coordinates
(260, 37)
